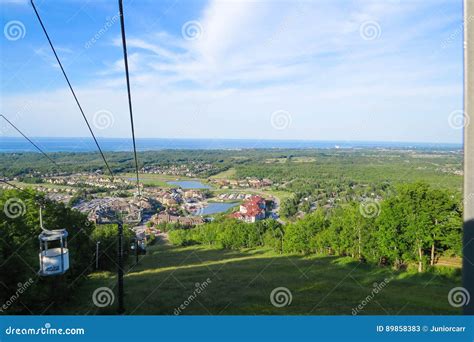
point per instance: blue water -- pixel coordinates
(189, 184)
(18, 144)
(215, 208)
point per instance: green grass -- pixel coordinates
(227, 174)
(241, 283)
(282, 195)
(156, 179)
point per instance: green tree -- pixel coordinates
(416, 220)
(445, 217)
(298, 235)
(289, 207)
(19, 230)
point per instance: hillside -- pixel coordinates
(240, 282)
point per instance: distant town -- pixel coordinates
(100, 197)
(191, 193)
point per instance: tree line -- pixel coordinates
(22, 290)
(415, 225)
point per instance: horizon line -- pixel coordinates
(253, 139)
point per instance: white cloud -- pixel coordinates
(256, 57)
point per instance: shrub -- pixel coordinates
(180, 237)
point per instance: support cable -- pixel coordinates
(14, 186)
(125, 57)
(72, 90)
(31, 142)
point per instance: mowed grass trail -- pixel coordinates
(240, 283)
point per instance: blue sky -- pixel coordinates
(383, 70)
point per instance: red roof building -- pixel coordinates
(251, 210)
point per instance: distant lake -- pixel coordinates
(215, 208)
(189, 184)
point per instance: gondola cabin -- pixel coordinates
(54, 254)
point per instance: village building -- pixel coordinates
(252, 210)
(185, 221)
